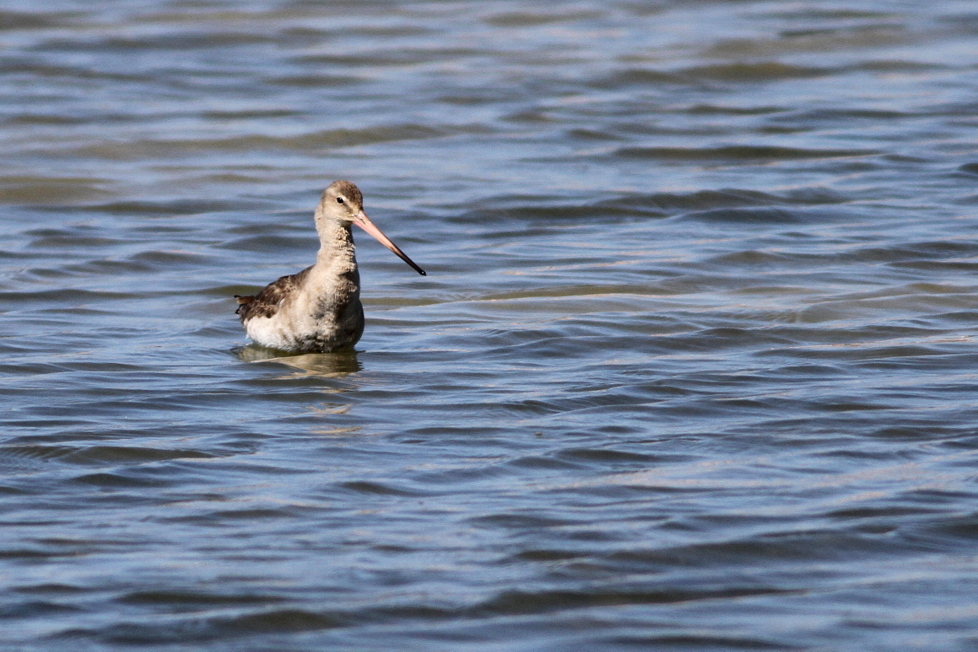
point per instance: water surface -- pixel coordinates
(693, 367)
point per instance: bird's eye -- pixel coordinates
(339, 200)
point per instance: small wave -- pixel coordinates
(739, 153)
(758, 71)
(758, 215)
(305, 143)
(53, 190)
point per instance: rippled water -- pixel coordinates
(693, 368)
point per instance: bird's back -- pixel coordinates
(270, 300)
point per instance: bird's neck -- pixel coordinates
(336, 249)
(334, 279)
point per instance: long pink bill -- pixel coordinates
(364, 223)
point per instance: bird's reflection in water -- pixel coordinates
(334, 364)
(332, 416)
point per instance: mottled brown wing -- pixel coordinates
(267, 302)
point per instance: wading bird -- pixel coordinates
(319, 308)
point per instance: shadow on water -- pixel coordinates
(333, 364)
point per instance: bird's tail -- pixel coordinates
(242, 301)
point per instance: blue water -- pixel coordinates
(693, 367)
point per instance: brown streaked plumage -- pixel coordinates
(319, 308)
